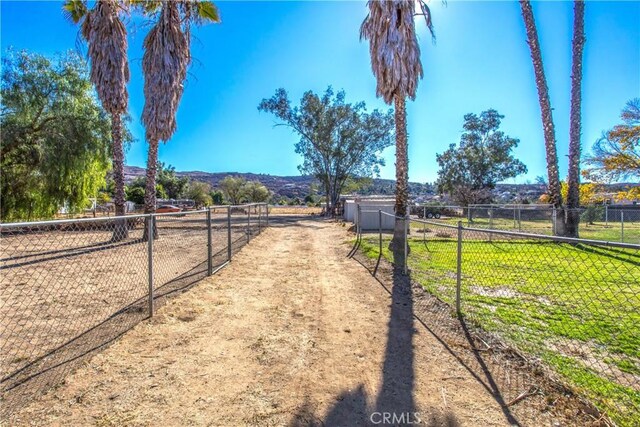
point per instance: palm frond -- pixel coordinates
(426, 12)
(74, 10)
(393, 45)
(106, 37)
(164, 65)
(147, 7)
(208, 11)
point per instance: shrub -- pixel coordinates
(592, 214)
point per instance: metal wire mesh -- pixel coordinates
(69, 288)
(179, 252)
(599, 222)
(569, 305)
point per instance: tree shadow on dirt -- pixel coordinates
(501, 372)
(287, 220)
(395, 403)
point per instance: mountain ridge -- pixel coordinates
(300, 185)
(289, 186)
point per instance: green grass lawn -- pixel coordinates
(577, 308)
(611, 232)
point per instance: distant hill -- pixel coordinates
(289, 186)
(299, 186)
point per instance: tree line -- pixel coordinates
(170, 186)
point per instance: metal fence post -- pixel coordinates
(490, 223)
(259, 218)
(622, 225)
(519, 219)
(358, 224)
(380, 231)
(209, 245)
(459, 270)
(406, 243)
(267, 206)
(606, 215)
(229, 233)
(554, 217)
(491, 218)
(424, 232)
(248, 224)
(150, 226)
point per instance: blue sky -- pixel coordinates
(480, 61)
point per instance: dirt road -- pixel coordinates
(293, 332)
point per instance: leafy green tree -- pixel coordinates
(471, 169)
(56, 138)
(256, 192)
(592, 214)
(160, 192)
(103, 198)
(337, 140)
(174, 186)
(616, 156)
(139, 184)
(357, 185)
(233, 189)
(217, 197)
(135, 194)
(199, 192)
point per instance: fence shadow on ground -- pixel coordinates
(20, 386)
(47, 370)
(454, 335)
(33, 377)
(522, 389)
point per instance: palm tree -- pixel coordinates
(167, 56)
(395, 60)
(573, 178)
(555, 196)
(106, 37)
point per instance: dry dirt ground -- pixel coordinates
(55, 285)
(292, 332)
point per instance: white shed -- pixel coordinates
(369, 212)
(350, 209)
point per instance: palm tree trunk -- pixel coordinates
(120, 231)
(402, 177)
(150, 187)
(573, 178)
(545, 107)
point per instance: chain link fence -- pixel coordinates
(571, 306)
(69, 288)
(598, 222)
